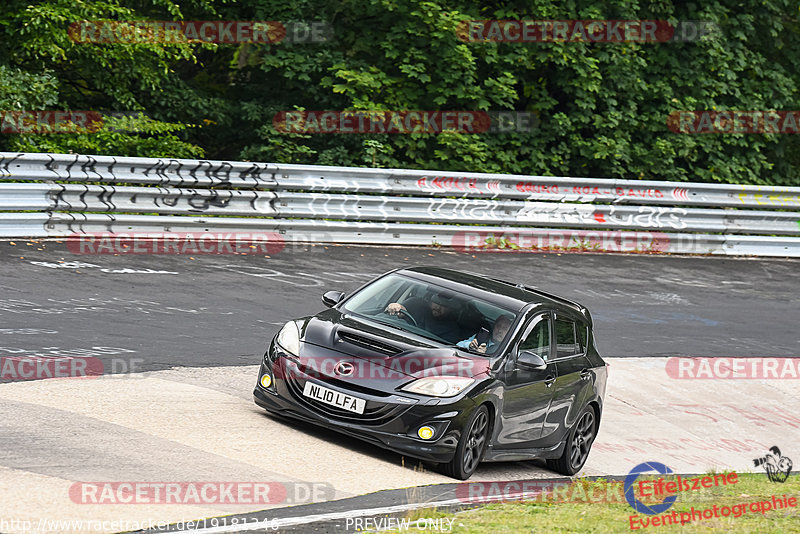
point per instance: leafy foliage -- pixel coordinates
(602, 107)
(42, 67)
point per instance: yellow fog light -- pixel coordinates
(425, 432)
(266, 381)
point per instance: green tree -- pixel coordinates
(602, 107)
(43, 68)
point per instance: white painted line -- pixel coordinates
(269, 525)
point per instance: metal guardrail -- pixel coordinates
(584, 190)
(168, 200)
(267, 176)
(86, 194)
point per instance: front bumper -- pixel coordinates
(391, 423)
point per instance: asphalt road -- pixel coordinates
(201, 324)
(146, 312)
(200, 425)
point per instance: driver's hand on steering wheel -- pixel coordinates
(394, 308)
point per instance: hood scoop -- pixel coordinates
(368, 342)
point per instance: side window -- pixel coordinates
(566, 341)
(538, 340)
(583, 336)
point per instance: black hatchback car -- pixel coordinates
(445, 366)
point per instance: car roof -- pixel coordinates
(500, 292)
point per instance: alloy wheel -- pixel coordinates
(475, 441)
(582, 440)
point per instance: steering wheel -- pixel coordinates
(404, 314)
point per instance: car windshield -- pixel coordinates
(434, 312)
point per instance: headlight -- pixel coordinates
(289, 338)
(439, 386)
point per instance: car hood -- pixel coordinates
(367, 345)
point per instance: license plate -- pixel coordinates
(334, 398)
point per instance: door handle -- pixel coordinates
(586, 374)
(549, 380)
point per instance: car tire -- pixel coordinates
(579, 442)
(470, 447)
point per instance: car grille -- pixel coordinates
(375, 413)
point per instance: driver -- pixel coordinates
(438, 317)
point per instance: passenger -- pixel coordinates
(499, 331)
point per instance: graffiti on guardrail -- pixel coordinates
(599, 191)
(646, 216)
(316, 204)
(472, 210)
(166, 171)
(100, 198)
(108, 198)
(556, 213)
(769, 200)
(551, 213)
(459, 184)
(448, 183)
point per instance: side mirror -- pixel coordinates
(332, 298)
(531, 360)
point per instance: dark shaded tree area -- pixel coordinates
(602, 107)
